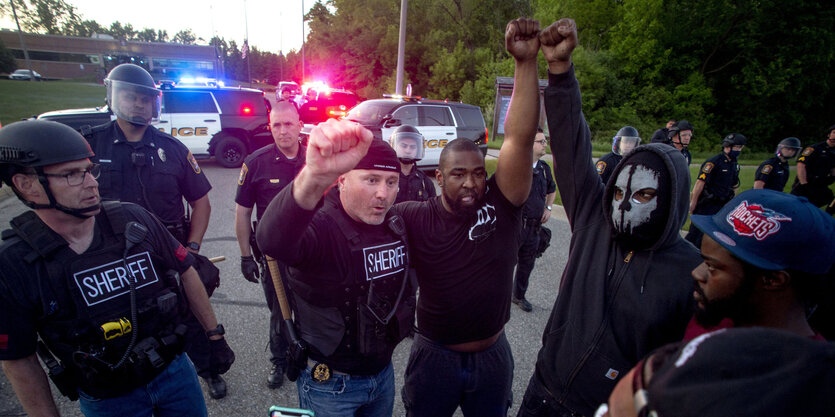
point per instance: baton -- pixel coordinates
(297, 350)
(217, 259)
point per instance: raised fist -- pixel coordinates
(336, 146)
(557, 42)
(520, 38)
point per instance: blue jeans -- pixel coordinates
(174, 392)
(438, 380)
(348, 395)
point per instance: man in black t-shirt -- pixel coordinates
(263, 174)
(464, 245)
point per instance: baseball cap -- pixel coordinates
(380, 156)
(744, 372)
(773, 231)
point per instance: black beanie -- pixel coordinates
(380, 156)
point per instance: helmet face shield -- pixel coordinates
(408, 145)
(137, 104)
(624, 144)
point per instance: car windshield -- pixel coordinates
(370, 112)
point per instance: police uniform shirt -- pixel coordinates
(263, 174)
(820, 160)
(464, 265)
(22, 309)
(687, 156)
(606, 164)
(720, 174)
(167, 171)
(774, 173)
(414, 187)
(542, 184)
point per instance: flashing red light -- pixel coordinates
(246, 110)
(486, 135)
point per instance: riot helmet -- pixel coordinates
(408, 143)
(788, 144)
(34, 144)
(625, 140)
(132, 94)
(733, 139)
(675, 132)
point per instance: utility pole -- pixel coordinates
(23, 44)
(302, 81)
(401, 48)
(246, 44)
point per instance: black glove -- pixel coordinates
(250, 268)
(221, 356)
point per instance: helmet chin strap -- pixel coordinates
(53, 204)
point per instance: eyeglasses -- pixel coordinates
(541, 142)
(76, 178)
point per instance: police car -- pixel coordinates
(227, 123)
(438, 121)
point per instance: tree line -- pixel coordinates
(762, 68)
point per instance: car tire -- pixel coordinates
(230, 152)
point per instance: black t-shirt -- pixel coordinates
(263, 174)
(464, 266)
(162, 165)
(23, 311)
(774, 172)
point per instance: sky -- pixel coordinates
(273, 24)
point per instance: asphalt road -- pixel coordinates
(241, 307)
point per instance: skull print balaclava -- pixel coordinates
(639, 224)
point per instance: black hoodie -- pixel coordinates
(614, 305)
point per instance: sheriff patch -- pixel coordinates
(384, 260)
(242, 175)
(754, 220)
(707, 167)
(766, 169)
(193, 163)
(600, 167)
(808, 151)
(108, 281)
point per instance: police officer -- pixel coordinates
(263, 174)
(414, 184)
(97, 283)
(624, 141)
(535, 212)
(816, 172)
(660, 135)
(679, 136)
(348, 264)
(773, 174)
(142, 165)
(716, 184)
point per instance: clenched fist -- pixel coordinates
(521, 38)
(557, 41)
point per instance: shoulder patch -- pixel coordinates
(707, 167)
(766, 169)
(193, 163)
(601, 166)
(808, 151)
(242, 176)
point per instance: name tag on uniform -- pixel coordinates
(108, 281)
(384, 260)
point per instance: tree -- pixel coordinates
(55, 17)
(185, 37)
(7, 61)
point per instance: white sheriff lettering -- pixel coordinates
(105, 282)
(384, 260)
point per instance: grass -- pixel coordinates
(21, 99)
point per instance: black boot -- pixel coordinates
(217, 386)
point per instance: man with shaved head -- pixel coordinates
(264, 173)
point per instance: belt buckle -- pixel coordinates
(321, 372)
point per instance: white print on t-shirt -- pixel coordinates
(486, 223)
(384, 260)
(104, 282)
